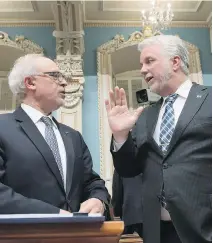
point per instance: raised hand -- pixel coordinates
(121, 119)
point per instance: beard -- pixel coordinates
(161, 81)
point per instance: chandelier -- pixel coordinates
(157, 18)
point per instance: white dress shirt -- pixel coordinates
(183, 92)
(36, 116)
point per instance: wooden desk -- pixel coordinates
(130, 239)
(107, 232)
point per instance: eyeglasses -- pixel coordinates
(58, 77)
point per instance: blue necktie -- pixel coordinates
(51, 140)
(167, 128)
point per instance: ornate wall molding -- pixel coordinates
(181, 24)
(74, 93)
(101, 24)
(119, 42)
(27, 24)
(195, 68)
(69, 49)
(104, 78)
(71, 67)
(20, 43)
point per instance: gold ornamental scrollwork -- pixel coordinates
(21, 43)
(74, 92)
(119, 42)
(71, 67)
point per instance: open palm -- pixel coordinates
(121, 119)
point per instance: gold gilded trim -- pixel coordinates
(20, 43)
(27, 24)
(177, 24)
(103, 24)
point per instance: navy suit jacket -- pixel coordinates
(127, 198)
(30, 181)
(185, 171)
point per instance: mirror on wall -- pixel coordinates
(118, 64)
(11, 50)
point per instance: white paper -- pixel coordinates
(20, 216)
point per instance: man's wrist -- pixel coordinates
(120, 138)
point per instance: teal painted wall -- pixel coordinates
(95, 37)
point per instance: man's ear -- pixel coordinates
(30, 83)
(176, 62)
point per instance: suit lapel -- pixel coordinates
(196, 97)
(152, 118)
(68, 143)
(37, 139)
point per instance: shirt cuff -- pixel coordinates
(117, 146)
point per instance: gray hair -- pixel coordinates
(172, 45)
(24, 66)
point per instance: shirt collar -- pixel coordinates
(183, 90)
(34, 114)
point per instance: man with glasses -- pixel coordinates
(45, 166)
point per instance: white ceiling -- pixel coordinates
(105, 12)
(28, 11)
(130, 10)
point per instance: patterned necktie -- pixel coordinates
(167, 128)
(51, 140)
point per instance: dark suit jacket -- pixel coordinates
(186, 169)
(30, 180)
(127, 198)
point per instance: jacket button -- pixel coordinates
(165, 166)
(67, 200)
